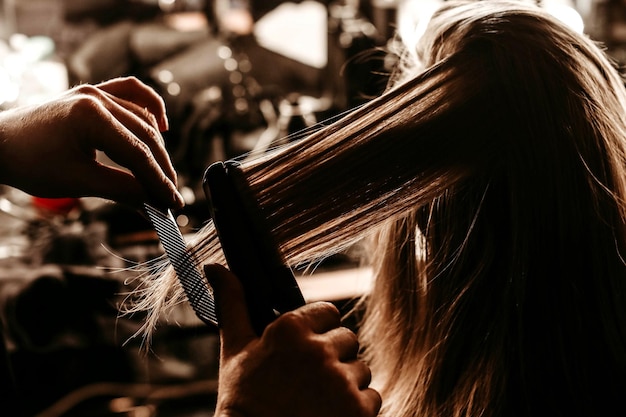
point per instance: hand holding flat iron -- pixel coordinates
(304, 365)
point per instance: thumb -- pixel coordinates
(235, 328)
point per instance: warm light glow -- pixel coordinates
(566, 14)
(414, 15)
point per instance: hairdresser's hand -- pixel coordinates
(49, 149)
(304, 365)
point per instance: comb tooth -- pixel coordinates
(184, 265)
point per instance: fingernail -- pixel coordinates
(180, 201)
(164, 124)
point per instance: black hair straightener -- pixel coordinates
(269, 285)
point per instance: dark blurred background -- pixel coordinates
(238, 77)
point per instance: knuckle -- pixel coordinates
(148, 133)
(131, 79)
(152, 120)
(85, 104)
(348, 334)
(322, 352)
(142, 149)
(288, 325)
(152, 132)
(87, 90)
(330, 308)
(133, 83)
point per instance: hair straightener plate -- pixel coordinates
(269, 285)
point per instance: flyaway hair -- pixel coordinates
(492, 186)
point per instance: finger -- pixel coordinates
(133, 90)
(320, 316)
(124, 148)
(372, 402)
(236, 330)
(359, 372)
(142, 124)
(345, 343)
(138, 120)
(142, 113)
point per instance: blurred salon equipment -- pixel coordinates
(231, 92)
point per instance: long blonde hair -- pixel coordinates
(492, 184)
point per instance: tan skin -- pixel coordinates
(49, 149)
(304, 365)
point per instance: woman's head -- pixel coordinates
(517, 289)
(490, 177)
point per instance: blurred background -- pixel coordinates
(237, 76)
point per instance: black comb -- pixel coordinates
(193, 282)
(269, 285)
